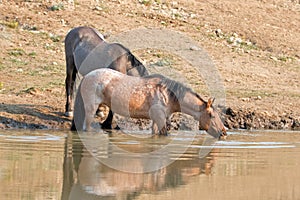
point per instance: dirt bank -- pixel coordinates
(255, 47)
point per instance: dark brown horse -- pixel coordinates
(152, 97)
(86, 50)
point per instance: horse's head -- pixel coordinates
(137, 68)
(211, 122)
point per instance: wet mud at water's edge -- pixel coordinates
(49, 118)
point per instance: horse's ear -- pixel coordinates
(210, 102)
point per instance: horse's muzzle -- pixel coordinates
(223, 135)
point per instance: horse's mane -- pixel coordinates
(175, 89)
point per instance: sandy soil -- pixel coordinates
(254, 44)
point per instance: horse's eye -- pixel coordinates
(211, 116)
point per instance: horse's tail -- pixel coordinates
(79, 112)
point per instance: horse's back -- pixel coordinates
(82, 44)
(84, 33)
(104, 75)
(84, 38)
(109, 77)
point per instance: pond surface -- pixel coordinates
(64, 165)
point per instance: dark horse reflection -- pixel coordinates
(86, 50)
(87, 178)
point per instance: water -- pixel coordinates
(62, 165)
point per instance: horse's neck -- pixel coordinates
(192, 105)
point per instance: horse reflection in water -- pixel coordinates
(152, 97)
(86, 50)
(87, 178)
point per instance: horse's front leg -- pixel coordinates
(159, 129)
(155, 130)
(158, 115)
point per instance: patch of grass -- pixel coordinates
(145, 2)
(57, 83)
(16, 52)
(33, 72)
(32, 54)
(43, 34)
(162, 62)
(29, 27)
(49, 46)
(2, 66)
(284, 58)
(248, 46)
(33, 90)
(59, 6)
(18, 62)
(235, 42)
(20, 52)
(54, 68)
(11, 24)
(55, 38)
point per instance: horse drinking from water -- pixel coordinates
(86, 50)
(152, 97)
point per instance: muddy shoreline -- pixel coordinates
(233, 119)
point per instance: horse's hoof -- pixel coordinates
(69, 114)
(106, 126)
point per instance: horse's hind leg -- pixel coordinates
(70, 81)
(91, 104)
(89, 116)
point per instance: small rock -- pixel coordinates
(245, 99)
(219, 33)
(195, 48)
(274, 58)
(63, 23)
(174, 3)
(98, 8)
(249, 43)
(231, 39)
(193, 15)
(235, 35)
(238, 40)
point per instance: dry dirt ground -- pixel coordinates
(254, 44)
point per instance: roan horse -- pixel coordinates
(86, 50)
(152, 97)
